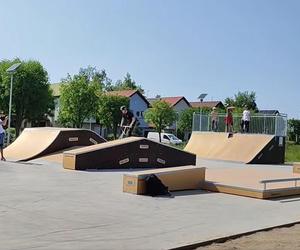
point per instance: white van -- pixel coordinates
(165, 138)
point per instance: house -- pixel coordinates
(268, 112)
(138, 104)
(208, 104)
(178, 103)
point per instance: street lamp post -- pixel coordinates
(201, 97)
(11, 70)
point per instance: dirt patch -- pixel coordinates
(277, 239)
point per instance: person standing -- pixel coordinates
(245, 123)
(214, 119)
(229, 120)
(3, 122)
(128, 121)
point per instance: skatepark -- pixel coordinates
(44, 206)
(47, 203)
(149, 125)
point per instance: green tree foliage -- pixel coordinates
(32, 97)
(185, 121)
(79, 97)
(160, 115)
(109, 113)
(242, 99)
(294, 130)
(127, 84)
(94, 76)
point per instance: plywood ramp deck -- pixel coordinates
(246, 182)
(36, 142)
(57, 156)
(246, 148)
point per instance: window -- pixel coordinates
(137, 113)
(166, 137)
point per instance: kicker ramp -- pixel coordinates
(246, 148)
(37, 142)
(132, 152)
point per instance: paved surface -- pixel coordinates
(46, 207)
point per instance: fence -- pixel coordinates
(259, 124)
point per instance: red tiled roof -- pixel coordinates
(126, 93)
(170, 100)
(209, 104)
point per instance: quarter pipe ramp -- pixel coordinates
(246, 148)
(37, 142)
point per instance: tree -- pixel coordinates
(242, 99)
(294, 130)
(79, 98)
(127, 84)
(92, 75)
(185, 122)
(32, 97)
(160, 115)
(109, 113)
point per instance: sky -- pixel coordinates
(170, 47)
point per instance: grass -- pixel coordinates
(292, 152)
(180, 146)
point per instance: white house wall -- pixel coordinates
(138, 106)
(178, 108)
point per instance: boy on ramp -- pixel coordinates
(229, 121)
(128, 122)
(214, 119)
(245, 120)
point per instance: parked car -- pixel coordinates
(165, 138)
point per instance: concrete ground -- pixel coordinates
(43, 206)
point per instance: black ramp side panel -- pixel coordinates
(130, 153)
(71, 138)
(272, 153)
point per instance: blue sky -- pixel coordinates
(170, 47)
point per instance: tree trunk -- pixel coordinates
(18, 125)
(115, 128)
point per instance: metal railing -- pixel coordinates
(259, 124)
(295, 180)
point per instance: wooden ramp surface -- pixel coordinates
(246, 182)
(36, 142)
(57, 156)
(240, 147)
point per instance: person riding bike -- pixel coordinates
(128, 121)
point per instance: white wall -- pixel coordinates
(138, 106)
(56, 110)
(179, 107)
